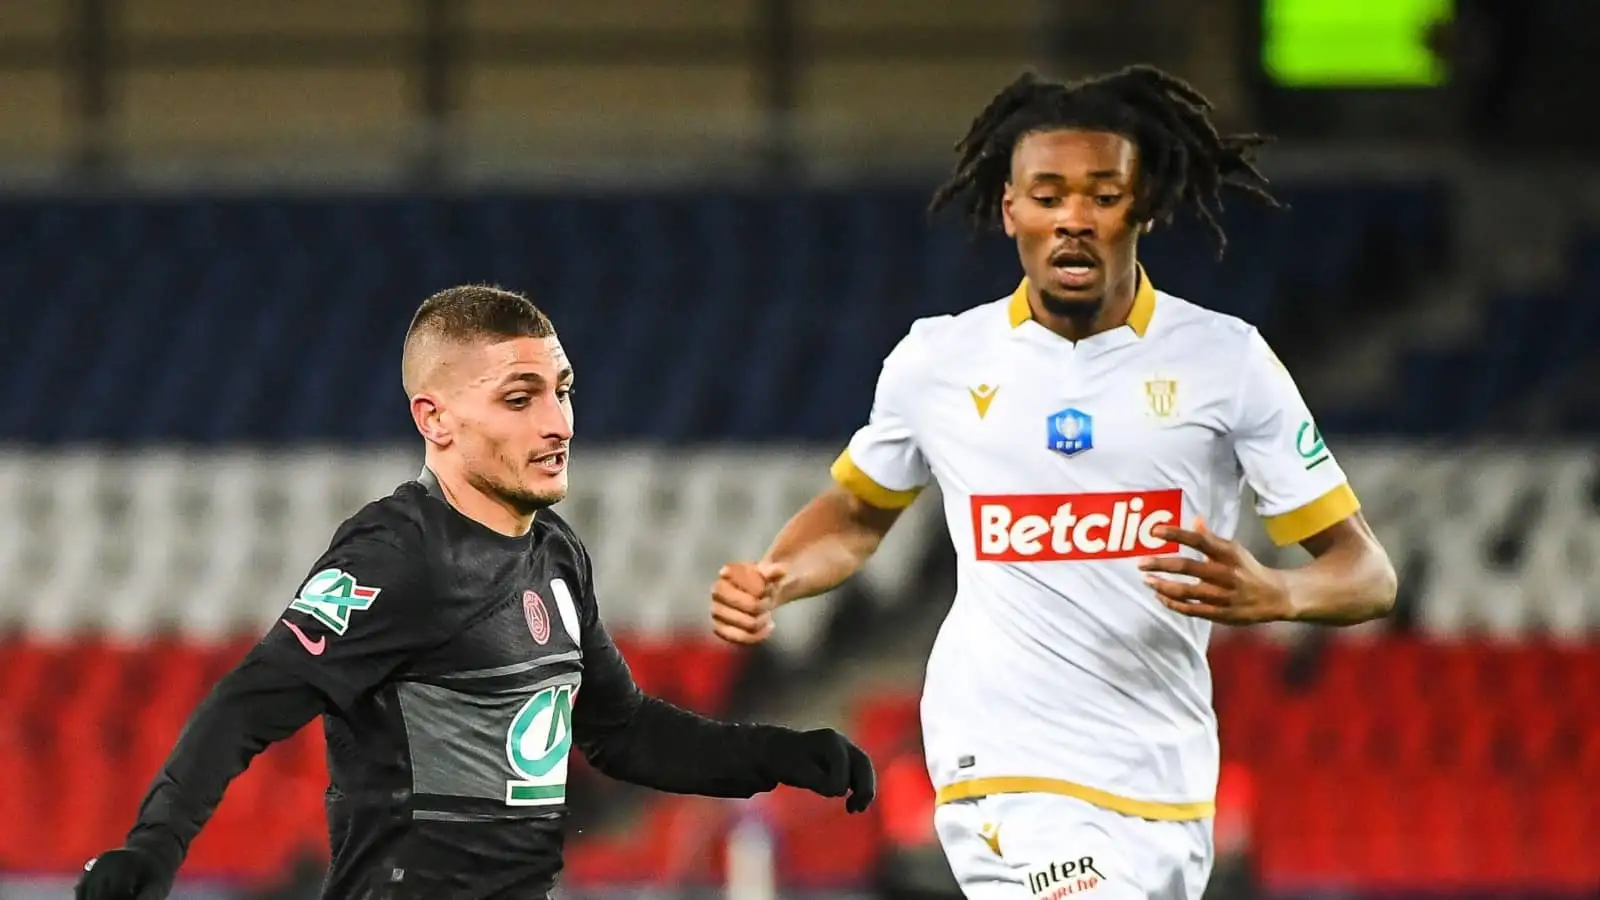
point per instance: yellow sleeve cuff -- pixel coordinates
(1296, 525)
(870, 492)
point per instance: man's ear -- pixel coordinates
(429, 417)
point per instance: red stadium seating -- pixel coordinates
(693, 673)
(1409, 764)
(85, 726)
(1403, 764)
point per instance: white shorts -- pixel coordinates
(1046, 846)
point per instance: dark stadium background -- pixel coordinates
(216, 218)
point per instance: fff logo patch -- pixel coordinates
(1070, 431)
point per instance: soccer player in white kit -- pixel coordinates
(1090, 435)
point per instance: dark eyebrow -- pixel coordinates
(523, 379)
(534, 379)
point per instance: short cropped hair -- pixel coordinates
(468, 313)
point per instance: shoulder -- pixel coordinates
(390, 529)
(564, 552)
(396, 519)
(1218, 335)
(560, 541)
(1241, 365)
(937, 337)
(556, 533)
(378, 549)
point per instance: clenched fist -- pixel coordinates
(742, 601)
(125, 873)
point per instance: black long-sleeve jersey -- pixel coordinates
(453, 667)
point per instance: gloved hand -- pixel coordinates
(126, 873)
(822, 761)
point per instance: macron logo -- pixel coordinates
(315, 647)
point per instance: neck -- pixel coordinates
(487, 509)
(1111, 312)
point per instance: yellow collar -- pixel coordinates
(1144, 305)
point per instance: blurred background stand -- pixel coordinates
(217, 219)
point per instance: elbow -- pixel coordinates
(609, 746)
(1355, 580)
(1376, 583)
(602, 761)
(1382, 587)
(1387, 587)
(609, 755)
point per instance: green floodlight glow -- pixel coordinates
(1352, 43)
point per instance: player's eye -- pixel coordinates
(565, 393)
(1046, 201)
(517, 401)
(1108, 199)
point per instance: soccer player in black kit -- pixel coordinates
(450, 640)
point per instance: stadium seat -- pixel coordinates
(886, 724)
(212, 545)
(906, 799)
(187, 262)
(90, 722)
(819, 846)
(1412, 793)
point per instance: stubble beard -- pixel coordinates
(1081, 313)
(523, 500)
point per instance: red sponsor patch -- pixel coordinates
(1064, 527)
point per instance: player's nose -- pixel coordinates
(1075, 218)
(555, 422)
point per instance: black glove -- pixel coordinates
(126, 873)
(823, 762)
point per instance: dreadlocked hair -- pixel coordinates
(1183, 161)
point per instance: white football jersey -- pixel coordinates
(1057, 669)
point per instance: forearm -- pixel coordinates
(826, 543)
(663, 747)
(1345, 586)
(251, 707)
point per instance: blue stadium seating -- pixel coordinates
(722, 314)
(1535, 352)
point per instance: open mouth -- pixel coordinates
(551, 463)
(1074, 269)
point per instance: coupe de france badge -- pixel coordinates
(1070, 431)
